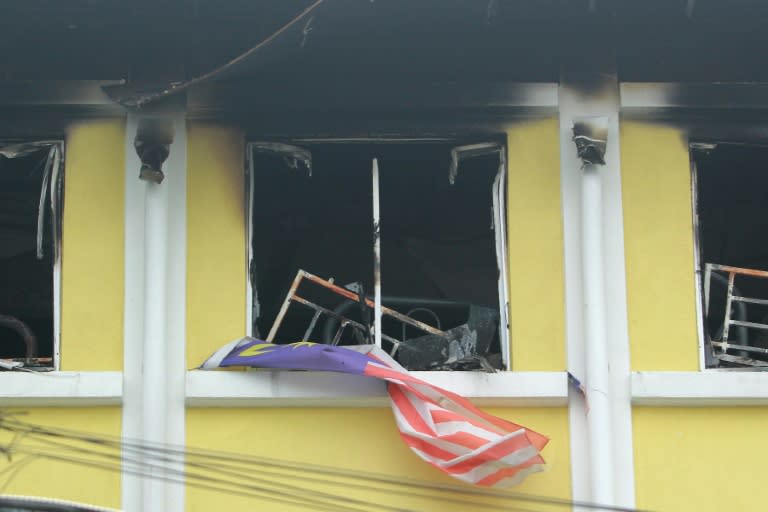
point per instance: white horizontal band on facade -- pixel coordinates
(700, 389)
(60, 389)
(320, 389)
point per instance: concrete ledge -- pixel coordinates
(267, 388)
(700, 389)
(60, 389)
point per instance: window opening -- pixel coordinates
(442, 246)
(30, 196)
(731, 218)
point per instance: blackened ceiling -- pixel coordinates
(721, 41)
(161, 41)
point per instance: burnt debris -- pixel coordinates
(464, 347)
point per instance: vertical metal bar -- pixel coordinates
(313, 322)
(499, 201)
(700, 287)
(251, 297)
(727, 319)
(55, 190)
(47, 170)
(707, 280)
(284, 307)
(311, 326)
(339, 332)
(376, 255)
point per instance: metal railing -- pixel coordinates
(344, 322)
(721, 347)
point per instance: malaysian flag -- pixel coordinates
(441, 427)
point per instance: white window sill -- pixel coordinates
(320, 389)
(60, 389)
(700, 389)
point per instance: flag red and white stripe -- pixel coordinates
(441, 427)
(450, 433)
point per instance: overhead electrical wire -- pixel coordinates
(232, 461)
(281, 490)
(249, 476)
(138, 99)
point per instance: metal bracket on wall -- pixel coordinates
(153, 145)
(591, 138)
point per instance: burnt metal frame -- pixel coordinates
(724, 345)
(498, 204)
(293, 296)
(23, 330)
(697, 257)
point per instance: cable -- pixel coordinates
(303, 467)
(230, 472)
(251, 494)
(284, 488)
(277, 487)
(140, 100)
(232, 466)
(14, 470)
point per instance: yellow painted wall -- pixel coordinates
(92, 246)
(356, 439)
(535, 242)
(64, 480)
(216, 243)
(703, 459)
(658, 244)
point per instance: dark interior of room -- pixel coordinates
(26, 282)
(438, 249)
(732, 204)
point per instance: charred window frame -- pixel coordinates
(32, 180)
(729, 185)
(459, 155)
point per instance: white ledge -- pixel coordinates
(60, 389)
(700, 389)
(269, 388)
